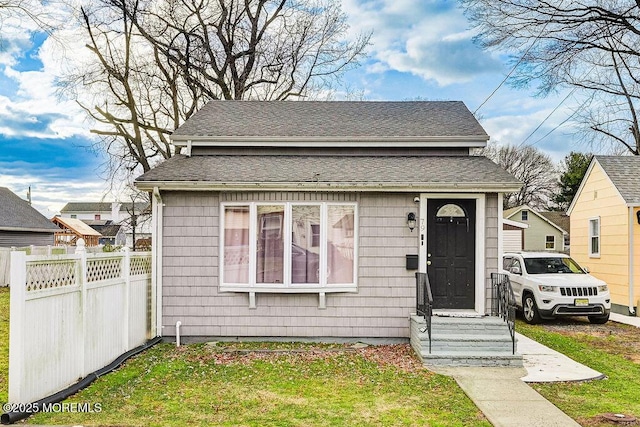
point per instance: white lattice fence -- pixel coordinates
(73, 314)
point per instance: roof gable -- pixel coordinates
(17, 214)
(440, 123)
(622, 170)
(509, 213)
(624, 173)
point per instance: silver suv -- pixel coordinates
(548, 285)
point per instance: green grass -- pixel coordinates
(609, 350)
(321, 386)
(4, 343)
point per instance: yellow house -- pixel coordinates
(605, 227)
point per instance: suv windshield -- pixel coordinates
(552, 265)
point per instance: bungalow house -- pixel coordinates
(605, 230)
(542, 234)
(21, 224)
(310, 220)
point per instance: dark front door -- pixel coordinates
(451, 242)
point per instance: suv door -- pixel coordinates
(517, 279)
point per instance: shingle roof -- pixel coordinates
(330, 171)
(17, 214)
(561, 219)
(624, 172)
(99, 207)
(321, 119)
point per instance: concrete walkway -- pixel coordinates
(545, 365)
(628, 320)
(503, 395)
(505, 400)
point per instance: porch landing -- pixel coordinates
(464, 341)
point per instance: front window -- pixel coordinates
(594, 237)
(288, 245)
(525, 215)
(550, 242)
(552, 265)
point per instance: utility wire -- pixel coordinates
(515, 66)
(547, 118)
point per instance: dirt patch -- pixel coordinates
(400, 356)
(616, 338)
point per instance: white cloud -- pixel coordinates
(428, 39)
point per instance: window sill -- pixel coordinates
(322, 292)
(289, 289)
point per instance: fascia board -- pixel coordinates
(324, 186)
(350, 142)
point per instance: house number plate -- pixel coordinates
(581, 302)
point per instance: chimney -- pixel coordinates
(115, 212)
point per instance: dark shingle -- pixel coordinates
(16, 213)
(100, 207)
(561, 219)
(321, 119)
(335, 170)
(624, 172)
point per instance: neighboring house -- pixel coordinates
(71, 229)
(541, 233)
(513, 235)
(21, 224)
(562, 220)
(296, 219)
(118, 213)
(111, 234)
(605, 230)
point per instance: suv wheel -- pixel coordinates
(530, 310)
(599, 320)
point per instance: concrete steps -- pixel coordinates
(461, 341)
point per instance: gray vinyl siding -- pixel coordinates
(24, 238)
(491, 243)
(380, 308)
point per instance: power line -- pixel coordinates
(547, 118)
(517, 63)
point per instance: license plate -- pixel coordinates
(581, 302)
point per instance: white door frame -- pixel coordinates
(480, 291)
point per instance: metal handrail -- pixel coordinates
(503, 303)
(424, 302)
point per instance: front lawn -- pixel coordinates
(612, 349)
(283, 385)
(4, 343)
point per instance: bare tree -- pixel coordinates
(530, 166)
(592, 46)
(20, 9)
(154, 63)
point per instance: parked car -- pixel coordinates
(548, 285)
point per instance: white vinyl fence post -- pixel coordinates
(16, 324)
(82, 278)
(126, 267)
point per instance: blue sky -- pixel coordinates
(420, 50)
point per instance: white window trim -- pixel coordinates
(287, 286)
(591, 236)
(524, 213)
(545, 242)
